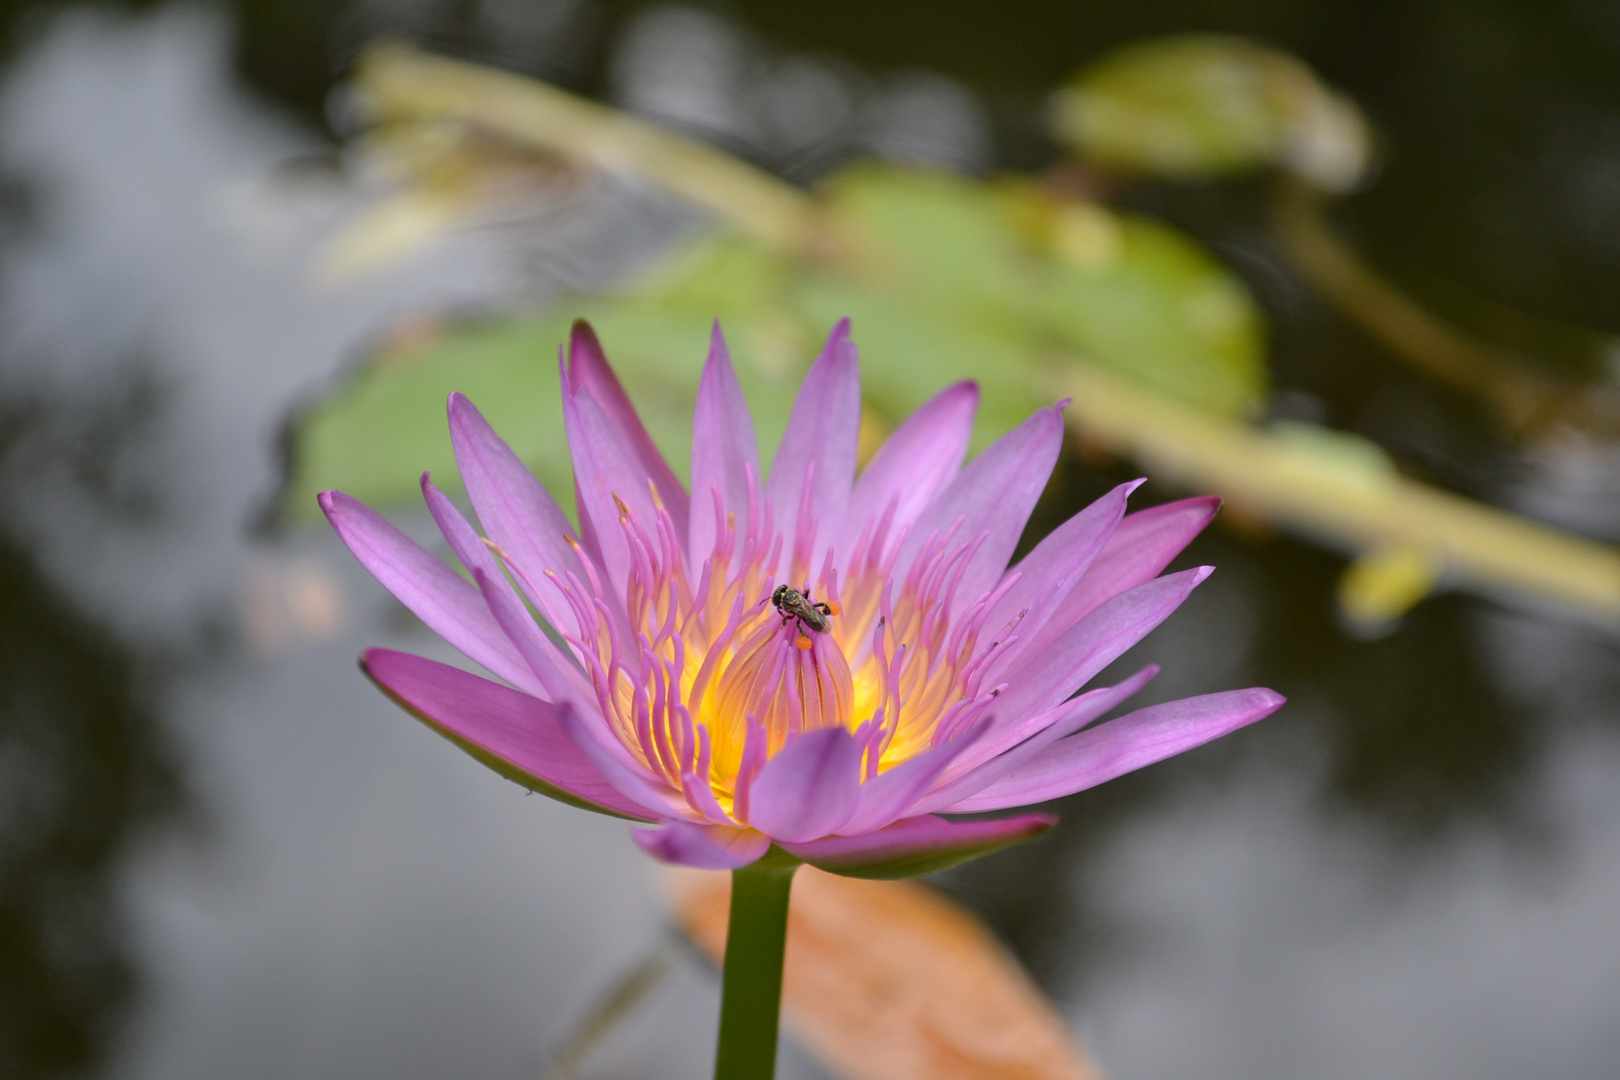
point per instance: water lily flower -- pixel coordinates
(807, 658)
(805, 666)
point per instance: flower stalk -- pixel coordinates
(751, 991)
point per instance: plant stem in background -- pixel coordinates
(751, 994)
(1525, 402)
(401, 82)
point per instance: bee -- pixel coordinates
(815, 617)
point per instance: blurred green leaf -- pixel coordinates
(943, 277)
(1200, 105)
(1150, 303)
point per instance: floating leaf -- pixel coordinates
(1200, 105)
(1141, 298)
(378, 433)
(889, 980)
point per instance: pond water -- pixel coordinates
(223, 853)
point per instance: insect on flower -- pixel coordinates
(913, 674)
(792, 604)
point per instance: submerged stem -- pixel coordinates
(751, 994)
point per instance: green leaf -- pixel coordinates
(1145, 300)
(944, 279)
(374, 437)
(1194, 106)
(1185, 106)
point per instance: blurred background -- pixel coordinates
(231, 271)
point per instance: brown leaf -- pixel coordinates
(889, 980)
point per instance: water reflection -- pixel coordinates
(1410, 870)
(87, 772)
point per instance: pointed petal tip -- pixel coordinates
(462, 413)
(719, 352)
(582, 339)
(840, 347)
(963, 395)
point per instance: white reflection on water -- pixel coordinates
(1264, 944)
(367, 902)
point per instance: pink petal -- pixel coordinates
(514, 508)
(724, 448)
(590, 373)
(1140, 548)
(604, 468)
(707, 847)
(1048, 574)
(915, 463)
(809, 788)
(1093, 643)
(582, 707)
(437, 595)
(993, 497)
(631, 782)
(917, 845)
(1025, 741)
(477, 558)
(1121, 746)
(819, 446)
(513, 733)
(890, 794)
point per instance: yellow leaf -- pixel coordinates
(1385, 584)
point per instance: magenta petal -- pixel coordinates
(514, 508)
(478, 559)
(917, 845)
(724, 448)
(1141, 547)
(1027, 740)
(590, 373)
(917, 462)
(809, 788)
(432, 591)
(1121, 746)
(1048, 574)
(706, 847)
(537, 652)
(993, 498)
(511, 732)
(606, 474)
(819, 447)
(1093, 643)
(890, 794)
(631, 781)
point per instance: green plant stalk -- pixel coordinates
(751, 990)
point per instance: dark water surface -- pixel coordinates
(223, 854)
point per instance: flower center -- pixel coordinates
(774, 689)
(705, 676)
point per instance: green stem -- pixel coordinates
(751, 997)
